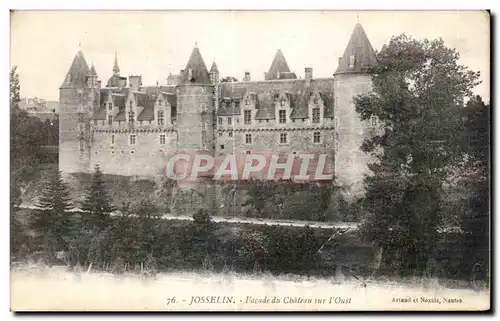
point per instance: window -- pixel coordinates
(203, 106)
(283, 138)
(229, 121)
(81, 127)
(131, 117)
(132, 139)
(337, 123)
(247, 117)
(160, 118)
(248, 138)
(374, 121)
(336, 102)
(248, 152)
(317, 137)
(221, 146)
(160, 102)
(247, 102)
(110, 106)
(162, 139)
(220, 120)
(220, 134)
(112, 139)
(351, 61)
(110, 120)
(282, 116)
(230, 134)
(282, 102)
(203, 127)
(315, 115)
(82, 145)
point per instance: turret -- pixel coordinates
(352, 78)
(75, 111)
(92, 78)
(214, 74)
(195, 105)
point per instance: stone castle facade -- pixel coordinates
(129, 129)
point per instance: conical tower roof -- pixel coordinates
(278, 65)
(214, 68)
(360, 48)
(92, 71)
(196, 71)
(77, 73)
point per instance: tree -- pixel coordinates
(97, 204)
(418, 87)
(54, 219)
(475, 221)
(15, 88)
(229, 79)
(147, 219)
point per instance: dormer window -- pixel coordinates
(160, 102)
(351, 61)
(247, 102)
(190, 74)
(110, 106)
(282, 116)
(131, 116)
(282, 102)
(315, 115)
(160, 118)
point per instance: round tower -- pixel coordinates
(195, 114)
(351, 79)
(74, 118)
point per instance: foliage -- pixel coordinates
(97, 205)
(54, 219)
(229, 79)
(418, 88)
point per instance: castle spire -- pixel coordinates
(359, 55)
(116, 69)
(196, 71)
(278, 66)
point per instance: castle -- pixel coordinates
(128, 128)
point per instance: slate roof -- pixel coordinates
(279, 64)
(120, 116)
(198, 68)
(264, 94)
(77, 73)
(214, 68)
(360, 47)
(92, 71)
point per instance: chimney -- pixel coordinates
(182, 73)
(308, 75)
(99, 84)
(247, 76)
(122, 82)
(265, 75)
(135, 82)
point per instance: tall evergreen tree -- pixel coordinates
(54, 219)
(97, 204)
(418, 88)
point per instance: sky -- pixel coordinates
(156, 43)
